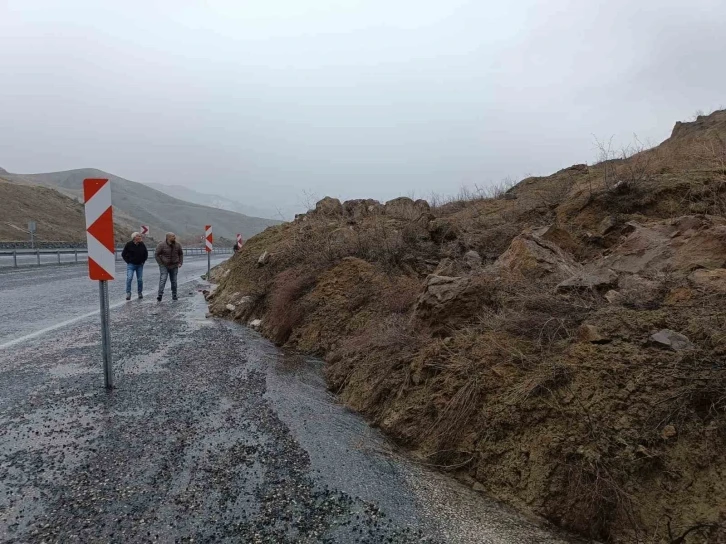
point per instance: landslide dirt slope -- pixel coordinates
(139, 204)
(562, 344)
(58, 218)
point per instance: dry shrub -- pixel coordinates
(464, 390)
(596, 497)
(370, 368)
(284, 311)
(545, 378)
(401, 295)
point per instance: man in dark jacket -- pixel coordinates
(135, 255)
(169, 257)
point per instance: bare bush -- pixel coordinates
(284, 313)
(636, 164)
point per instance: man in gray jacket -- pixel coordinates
(170, 257)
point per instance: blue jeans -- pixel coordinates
(170, 273)
(130, 269)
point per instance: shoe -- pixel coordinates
(174, 297)
(158, 299)
(128, 296)
(141, 296)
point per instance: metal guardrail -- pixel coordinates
(15, 253)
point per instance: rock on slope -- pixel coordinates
(562, 347)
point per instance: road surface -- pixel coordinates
(212, 435)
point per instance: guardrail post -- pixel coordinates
(59, 262)
(37, 254)
(15, 258)
(75, 251)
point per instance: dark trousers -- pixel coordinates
(170, 273)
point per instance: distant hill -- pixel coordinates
(58, 217)
(214, 201)
(138, 204)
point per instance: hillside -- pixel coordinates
(137, 204)
(213, 201)
(57, 217)
(560, 346)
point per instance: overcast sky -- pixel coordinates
(264, 101)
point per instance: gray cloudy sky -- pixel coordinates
(263, 101)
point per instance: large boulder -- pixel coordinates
(329, 206)
(449, 301)
(713, 281)
(593, 279)
(361, 207)
(681, 245)
(442, 300)
(443, 230)
(529, 255)
(560, 237)
(405, 208)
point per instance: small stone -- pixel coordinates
(209, 315)
(669, 431)
(478, 487)
(671, 339)
(231, 307)
(613, 297)
(263, 259)
(472, 259)
(255, 323)
(589, 333)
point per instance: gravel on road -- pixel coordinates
(211, 435)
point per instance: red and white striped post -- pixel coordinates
(208, 239)
(101, 256)
(239, 241)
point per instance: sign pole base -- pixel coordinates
(209, 265)
(105, 335)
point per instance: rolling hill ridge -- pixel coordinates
(138, 204)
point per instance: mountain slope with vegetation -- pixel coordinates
(560, 345)
(138, 204)
(58, 217)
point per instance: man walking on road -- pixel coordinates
(135, 255)
(170, 257)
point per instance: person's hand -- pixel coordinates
(180, 266)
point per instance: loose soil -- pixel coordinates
(510, 338)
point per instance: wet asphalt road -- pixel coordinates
(212, 435)
(34, 299)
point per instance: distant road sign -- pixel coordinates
(99, 229)
(144, 230)
(31, 226)
(209, 238)
(239, 240)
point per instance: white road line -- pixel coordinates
(69, 322)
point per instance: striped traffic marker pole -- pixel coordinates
(208, 239)
(239, 241)
(101, 256)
